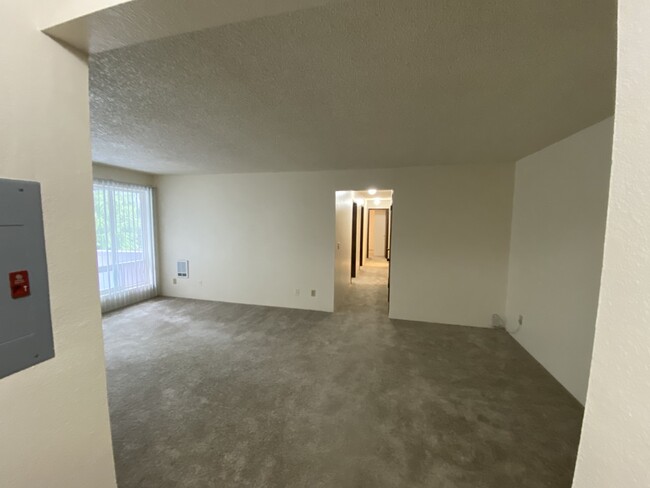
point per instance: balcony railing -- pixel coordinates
(122, 270)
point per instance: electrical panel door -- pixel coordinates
(25, 319)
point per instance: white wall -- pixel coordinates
(558, 228)
(342, 246)
(249, 238)
(113, 173)
(615, 445)
(451, 235)
(450, 241)
(52, 12)
(54, 428)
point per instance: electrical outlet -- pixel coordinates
(521, 320)
(313, 293)
(174, 281)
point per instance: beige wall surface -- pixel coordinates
(451, 236)
(54, 426)
(556, 250)
(450, 243)
(615, 446)
(58, 11)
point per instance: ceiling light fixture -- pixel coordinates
(372, 191)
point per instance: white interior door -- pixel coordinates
(379, 235)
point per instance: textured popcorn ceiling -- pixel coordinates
(358, 84)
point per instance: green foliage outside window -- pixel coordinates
(125, 213)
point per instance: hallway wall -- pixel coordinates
(450, 238)
(342, 245)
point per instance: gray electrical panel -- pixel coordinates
(25, 320)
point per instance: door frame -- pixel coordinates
(389, 249)
(368, 237)
(386, 243)
(355, 212)
(363, 210)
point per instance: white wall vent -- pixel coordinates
(183, 269)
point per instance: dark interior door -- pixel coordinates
(370, 211)
(354, 240)
(390, 245)
(386, 243)
(361, 237)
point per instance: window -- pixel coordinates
(126, 257)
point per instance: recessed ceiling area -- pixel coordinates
(358, 85)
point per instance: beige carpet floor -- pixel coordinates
(206, 394)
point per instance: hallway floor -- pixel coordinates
(205, 394)
(373, 272)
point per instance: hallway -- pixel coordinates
(206, 394)
(368, 292)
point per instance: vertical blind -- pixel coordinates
(126, 253)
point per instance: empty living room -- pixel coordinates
(324, 243)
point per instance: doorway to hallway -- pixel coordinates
(363, 241)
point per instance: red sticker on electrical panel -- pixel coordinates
(19, 283)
